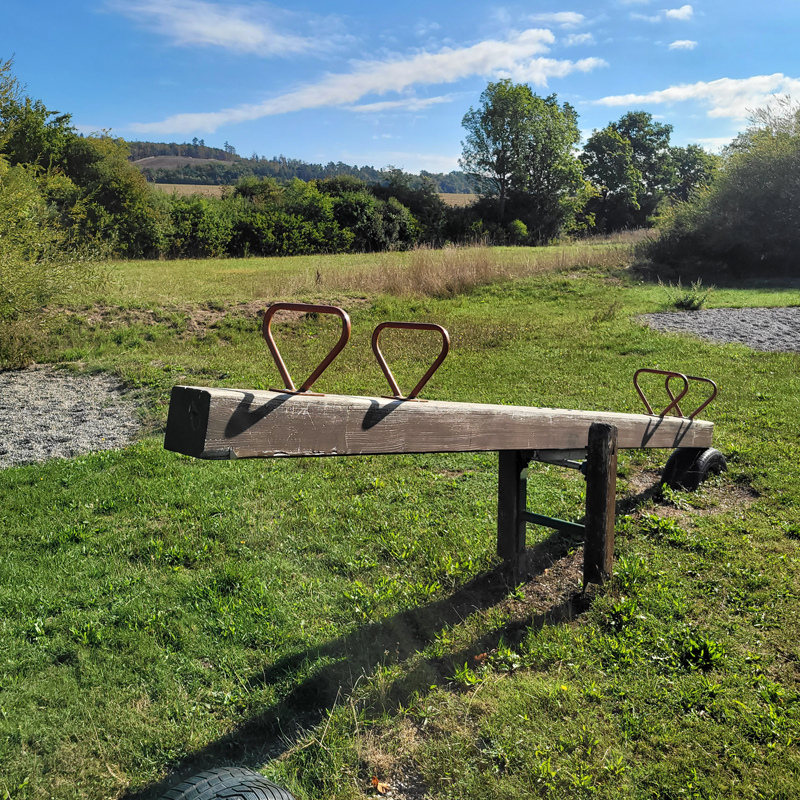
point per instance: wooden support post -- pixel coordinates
(512, 493)
(601, 495)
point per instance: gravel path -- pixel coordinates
(760, 328)
(48, 413)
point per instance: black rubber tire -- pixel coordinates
(688, 467)
(227, 783)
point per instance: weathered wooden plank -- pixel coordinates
(601, 496)
(512, 494)
(234, 423)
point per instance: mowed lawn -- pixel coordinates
(331, 621)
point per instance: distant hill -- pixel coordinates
(194, 163)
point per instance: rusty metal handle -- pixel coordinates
(710, 398)
(410, 326)
(674, 401)
(307, 308)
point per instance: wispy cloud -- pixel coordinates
(425, 27)
(409, 161)
(516, 57)
(683, 44)
(242, 28)
(646, 18)
(578, 38)
(684, 12)
(565, 19)
(715, 143)
(539, 70)
(726, 97)
(407, 104)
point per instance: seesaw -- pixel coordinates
(215, 423)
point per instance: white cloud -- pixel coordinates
(578, 38)
(715, 143)
(539, 70)
(246, 29)
(515, 57)
(566, 19)
(684, 12)
(646, 18)
(683, 44)
(726, 97)
(407, 104)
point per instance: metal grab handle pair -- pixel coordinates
(310, 308)
(674, 400)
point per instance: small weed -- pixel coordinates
(90, 633)
(631, 574)
(702, 653)
(505, 659)
(621, 615)
(691, 298)
(464, 676)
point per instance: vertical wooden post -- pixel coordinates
(601, 495)
(512, 494)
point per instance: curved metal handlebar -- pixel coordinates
(410, 326)
(674, 401)
(307, 308)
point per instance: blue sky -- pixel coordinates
(388, 83)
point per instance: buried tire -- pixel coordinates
(688, 467)
(227, 783)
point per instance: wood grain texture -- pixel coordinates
(512, 498)
(601, 495)
(234, 423)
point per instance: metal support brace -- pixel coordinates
(600, 469)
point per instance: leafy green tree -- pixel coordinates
(492, 152)
(630, 162)
(519, 149)
(693, 168)
(608, 161)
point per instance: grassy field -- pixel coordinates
(333, 621)
(452, 199)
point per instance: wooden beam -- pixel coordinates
(601, 497)
(512, 494)
(234, 423)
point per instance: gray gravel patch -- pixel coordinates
(49, 413)
(773, 329)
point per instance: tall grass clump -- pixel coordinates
(749, 219)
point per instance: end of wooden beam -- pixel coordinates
(187, 421)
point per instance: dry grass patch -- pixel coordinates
(451, 271)
(184, 189)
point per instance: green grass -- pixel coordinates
(328, 621)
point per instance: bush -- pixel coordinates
(749, 218)
(35, 266)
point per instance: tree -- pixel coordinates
(608, 161)
(519, 150)
(693, 168)
(492, 151)
(632, 183)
